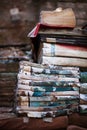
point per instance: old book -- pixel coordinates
(39, 91)
(52, 103)
(41, 94)
(52, 83)
(34, 72)
(48, 104)
(45, 114)
(46, 88)
(63, 50)
(51, 74)
(50, 113)
(48, 70)
(42, 114)
(61, 37)
(48, 98)
(26, 64)
(63, 61)
(46, 77)
(48, 108)
(63, 18)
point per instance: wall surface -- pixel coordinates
(16, 33)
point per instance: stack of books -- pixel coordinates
(61, 47)
(50, 85)
(56, 41)
(45, 90)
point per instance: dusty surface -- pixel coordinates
(73, 122)
(33, 124)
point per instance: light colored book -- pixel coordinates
(58, 18)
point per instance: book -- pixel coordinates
(62, 18)
(48, 83)
(47, 88)
(55, 49)
(63, 61)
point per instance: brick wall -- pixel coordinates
(11, 33)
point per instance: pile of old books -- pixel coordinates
(51, 87)
(58, 44)
(57, 48)
(45, 90)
